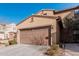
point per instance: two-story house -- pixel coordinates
(44, 28)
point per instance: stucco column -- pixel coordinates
(18, 36)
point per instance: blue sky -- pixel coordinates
(16, 12)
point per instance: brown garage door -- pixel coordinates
(37, 36)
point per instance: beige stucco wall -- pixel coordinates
(18, 36)
(38, 21)
(63, 14)
(45, 21)
(57, 32)
(49, 12)
(24, 23)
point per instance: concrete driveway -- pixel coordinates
(23, 50)
(71, 49)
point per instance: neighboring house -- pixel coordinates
(44, 28)
(2, 31)
(7, 31)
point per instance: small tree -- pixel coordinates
(71, 25)
(68, 22)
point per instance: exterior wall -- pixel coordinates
(2, 27)
(2, 31)
(11, 27)
(18, 36)
(2, 36)
(57, 33)
(5, 29)
(48, 12)
(12, 35)
(52, 13)
(64, 14)
(45, 21)
(24, 23)
(40, 21)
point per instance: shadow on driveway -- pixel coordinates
(72, 49)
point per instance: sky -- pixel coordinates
(16, 12)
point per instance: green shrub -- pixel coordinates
(4, 42)
(11, 42)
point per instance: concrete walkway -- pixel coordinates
(71, 49)
(23, 50)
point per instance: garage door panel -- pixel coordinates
(34, 36)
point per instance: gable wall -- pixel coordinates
(24, 23)
(38, 21)
(48, 21)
